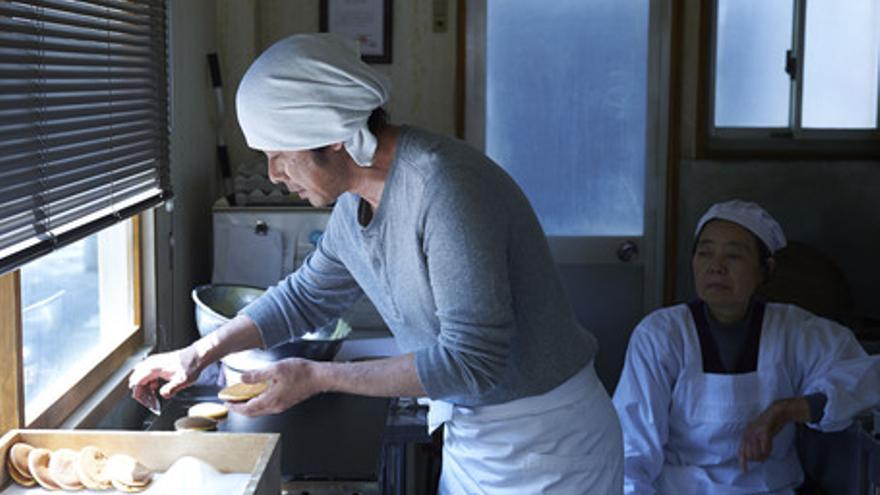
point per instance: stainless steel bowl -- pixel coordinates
(217, 304)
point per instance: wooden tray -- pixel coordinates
(256, 453)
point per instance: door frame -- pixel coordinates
(599, 249)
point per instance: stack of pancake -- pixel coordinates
(205, 416)
(66, 469)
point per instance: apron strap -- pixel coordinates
(748, 358)
(708, 348)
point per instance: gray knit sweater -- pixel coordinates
(456, 263)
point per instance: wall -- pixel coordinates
(422, 70)
(832, 205)
(193, 170)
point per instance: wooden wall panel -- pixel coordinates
(11, 372)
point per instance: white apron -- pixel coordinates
(708, 415)
(567, 441)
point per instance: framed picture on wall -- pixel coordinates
(366, 21)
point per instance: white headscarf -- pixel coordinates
(751, 217)
(308, 91)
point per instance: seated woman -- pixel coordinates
(711, 390)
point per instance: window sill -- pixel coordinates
(109, 393)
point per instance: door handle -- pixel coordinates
(627, 251)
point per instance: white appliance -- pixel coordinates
(260, 245)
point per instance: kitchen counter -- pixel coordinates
(334, 437)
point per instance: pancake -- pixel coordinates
(62, 469)
(241, 392)
(38, 465)
(211, 410)
(195, 423)
(90, 465)
(15, 474)
(18, 457)
(122, 487)
(125, 470)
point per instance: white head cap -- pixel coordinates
(751, 217)
(308, 91)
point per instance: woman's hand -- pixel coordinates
(290, 381)
(179, 368)
(757, 440)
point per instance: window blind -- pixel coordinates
(83, 119)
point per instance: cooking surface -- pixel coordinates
(328, 437)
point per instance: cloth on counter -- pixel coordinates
(193, 476)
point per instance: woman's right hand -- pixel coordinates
(178, 368)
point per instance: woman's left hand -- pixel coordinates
(290, 381)
(757, 441)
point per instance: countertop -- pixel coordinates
(328, 437)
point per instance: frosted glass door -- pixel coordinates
(566, 109)
(559, 96)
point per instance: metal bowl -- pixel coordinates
(217, 304)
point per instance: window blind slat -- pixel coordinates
(24, 196)
(60, 18)
(83, 119)
(58, 100)
(71, 197)
(44, 122)
(98, 10)
(24, 37)
(74, 71)
(16, 220)
(22, 139)
(140, 7)
(102, 219)
(94, 61)
(69, 53)
(73, 209)
(48, 87)
(28, 36)
(22, 174)
(138, 139)
(91, 153)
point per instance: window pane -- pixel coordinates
(566, 109)
(77, 305)
(751, 85)
(842, 49)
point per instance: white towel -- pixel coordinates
(308, 91)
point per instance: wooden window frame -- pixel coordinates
(753, 142)
(11, 344)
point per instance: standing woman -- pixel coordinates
(447, 247)
(711, 390)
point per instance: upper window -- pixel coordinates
(794, 72)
